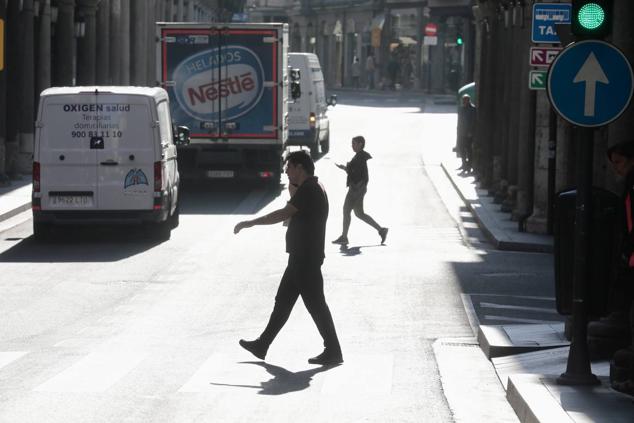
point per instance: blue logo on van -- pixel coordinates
(135, 177)
(231, 74)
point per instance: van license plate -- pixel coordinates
(70, 201)
(220, 174)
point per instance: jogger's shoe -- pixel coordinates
(383, 234)
(255, 347)
(342, 240)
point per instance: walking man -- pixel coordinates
(305, 237)
(357, 182)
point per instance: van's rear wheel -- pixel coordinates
(175, 218)
(161, 231)
(42, 231)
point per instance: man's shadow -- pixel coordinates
(283, 381)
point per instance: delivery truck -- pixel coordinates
(228, 83)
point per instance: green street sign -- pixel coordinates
(537, 79)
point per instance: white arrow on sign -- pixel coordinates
(536, 78)
(591, 73)
(537, 56)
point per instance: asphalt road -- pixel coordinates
(104, 325)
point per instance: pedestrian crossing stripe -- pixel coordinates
(96, 372)
(100, 371)
(7, 357)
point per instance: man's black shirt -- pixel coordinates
(306, 233)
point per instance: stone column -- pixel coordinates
(64, 41)
(538, 222)
(103, 43)
(505, 44)
(87, 42)
(138, 46)
(4, 178)
(26, 100)
(13, 63)
(150, 56)
(191, 17)
(623, 38)
(170, 11)
(180, 12)
(116, 41)
(125, 43)
(526, 126)
(44, 48)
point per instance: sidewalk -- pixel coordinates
(530, 378)
(15, 198)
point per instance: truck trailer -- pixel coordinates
(228, 83)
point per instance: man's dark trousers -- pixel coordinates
(302, 277)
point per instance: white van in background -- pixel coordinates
(105, 155)
(308, 123)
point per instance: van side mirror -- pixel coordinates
(182, 135)
(296, 91)
(332, 100)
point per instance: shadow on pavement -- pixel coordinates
(217, 197)
(78, 244)
(355, 251)
(283, 381)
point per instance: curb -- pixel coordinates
(17, 210)
(495, 239)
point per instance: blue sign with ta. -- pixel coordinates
(545, 17)
(590, 83)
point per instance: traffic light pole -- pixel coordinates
(578, 370)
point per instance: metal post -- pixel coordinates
(578, 370)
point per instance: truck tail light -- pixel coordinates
(36, 176)
(312, 120)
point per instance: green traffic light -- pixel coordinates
(591, 16)
(459, 41)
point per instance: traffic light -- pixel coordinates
(591, 19)
(459, 40)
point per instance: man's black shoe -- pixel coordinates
(383, 234)
(327, 358)
(255, 347)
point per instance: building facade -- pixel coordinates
(75, 42)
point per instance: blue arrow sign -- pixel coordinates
(545, 17)
(590, 83)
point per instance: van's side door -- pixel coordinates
(126, 151)
(67, 163)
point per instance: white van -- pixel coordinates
(308, 123)
(105, 155)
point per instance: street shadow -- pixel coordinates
(356, 250)
(283, 381)
(82, 244)
(218, 197)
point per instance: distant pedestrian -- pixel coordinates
(355, 70)
(305, 237)
(357, 182)
(370, 66)
(466, 126)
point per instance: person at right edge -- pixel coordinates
(357, 182)
(621, 156)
